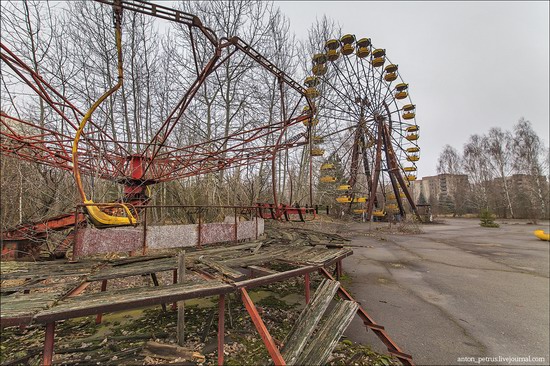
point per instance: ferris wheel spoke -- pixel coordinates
(336, 108)
(364, 89)
(368, 74)
(342, 77)
(354, 74)
(343, 97)
(363, 81)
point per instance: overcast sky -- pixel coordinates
(470, 65)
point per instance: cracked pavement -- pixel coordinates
(456, 290)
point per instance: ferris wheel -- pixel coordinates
(364, 124)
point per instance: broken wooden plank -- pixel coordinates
(263, 271)
(163, 263)
(257, 247)
(116, 300)
(223, 269)
(224, 249)
(8, 287)
(20, 308)
(42, 270)
(171, 352)
(134, 269)
(296, 340)
(327, 336)
(261, 257)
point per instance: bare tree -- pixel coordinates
(28, 28)
(529, 153)
(500, 149)
(449, 161)
(476, 165)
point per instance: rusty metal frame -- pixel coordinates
(394, 170)
(174, 162)
(378, 330)
(377, 168)
(260, 326)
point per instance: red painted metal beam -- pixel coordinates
(47, 356)
(103, 289)
(260, 326)
(78, 289)
(34, 230)
(379, 330)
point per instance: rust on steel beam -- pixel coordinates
(47, 356)
(221, 328)
(260, 326)
(56, 223)
(400, 178)
(77, 290)
(268, 65)
(99, 316)
(355, 151)
(170, 123)
(379, 330)
(378, 159)
(392, 170)
(41, 87)
(163, 12)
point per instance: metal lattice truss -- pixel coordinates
(167, 151)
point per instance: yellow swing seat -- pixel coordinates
(102, 219)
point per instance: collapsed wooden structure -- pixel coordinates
(215, 271)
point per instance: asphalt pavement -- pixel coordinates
(456, 294)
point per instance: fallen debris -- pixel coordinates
(171, 352)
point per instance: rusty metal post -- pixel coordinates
(78, 289)
(221, 328)
(75, 231)
(307, 286)
(274, 182)
(144, 231)
(260, 326)
(181, 304)
(257, 213)
(236, 223)
(174, 281)
(310, 171)
(47, 356)
(100, 315)
(199, 234)
(377, 167)
(156, 283)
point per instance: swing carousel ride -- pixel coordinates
(354, 109)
